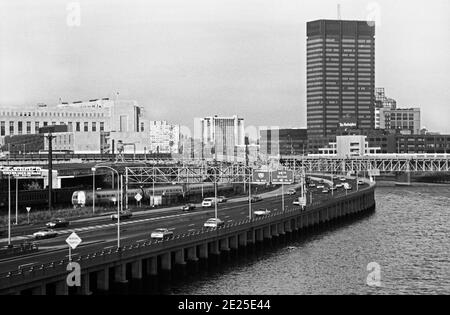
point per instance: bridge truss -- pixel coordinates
(240, 173)
(383, 165)
(188, 173)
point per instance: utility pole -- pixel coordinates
(50, 138)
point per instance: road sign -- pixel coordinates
(73, 240)
(138, 197)
(21, 172)
(374, 172)
(260, 177)
(282, 177)
(28, 209)
(302, 201)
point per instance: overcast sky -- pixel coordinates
(182, 59)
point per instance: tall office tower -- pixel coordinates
(340, 78)
(223, 134)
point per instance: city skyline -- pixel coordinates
(252, 60)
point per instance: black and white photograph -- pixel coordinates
(218, 155)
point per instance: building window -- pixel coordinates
(36, 127)
(45, 123)
(142, 127)
(69, 124)
(2, 128)
(78, 127)
(94, 126)
(19, 127)
(11, 127)
(28, 127)
(102, 126)
(86, 126)
(53, 123)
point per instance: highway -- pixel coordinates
(101, 233)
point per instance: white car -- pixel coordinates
(213, 223)
(47, 233)
(320, 187)
(291, 191)
(342, 179)
(360, 182)
(296, 202)
(261, 212)
(208, 202)
(339, 185)
(161, 233)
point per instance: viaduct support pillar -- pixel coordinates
(136, 269)
(152, 266)
(120, 273)
(192, 253)
(166, 262)
(203, 251)
(103, 280)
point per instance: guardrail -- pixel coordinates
(152, 247)
(16, 250)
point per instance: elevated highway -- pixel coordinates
(99, 258)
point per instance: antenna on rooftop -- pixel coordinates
(339, 11)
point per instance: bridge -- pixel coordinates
(103, 266)
(383, 163)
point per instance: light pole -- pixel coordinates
(249, 198)
(9, 210)
(93, 190)
(17, 201)
(119, 195)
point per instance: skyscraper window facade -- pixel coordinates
(340, 77)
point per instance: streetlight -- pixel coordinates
(93, 190)
(119, 185)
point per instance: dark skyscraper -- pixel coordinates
(340, 78)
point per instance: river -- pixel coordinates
(408, 237)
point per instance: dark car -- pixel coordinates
(256, 198)
(57, 223)
(123, 215)
(188, 207)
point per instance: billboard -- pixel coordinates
(260, 177)
(282, 177)
(21, 172)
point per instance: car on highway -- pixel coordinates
(261, 212)
(46, 233)
(188, 207)
(325, 191)
(291, 191)
(256, 198)
(213, 223)
(333, 188)
(222, 199)
(57, 223)
(361, 182)
(126, 214)
(161, 234)
(208, 202)
(347, 186)
(320, 187)
(339, 185)
(312, 185)
(342, 179)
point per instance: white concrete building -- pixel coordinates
(116, 119)
(164, 137)
(223, 134)
(348, 146)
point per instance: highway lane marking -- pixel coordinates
(191, 230)
(230, 221)
(191, 224)
(144, 240)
